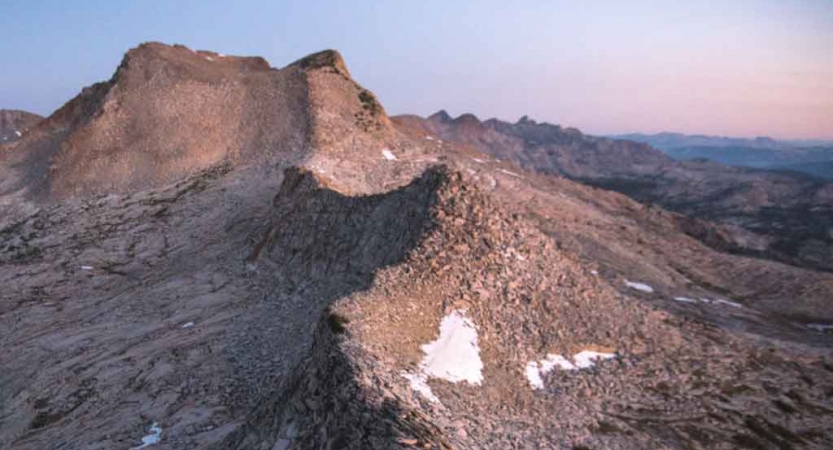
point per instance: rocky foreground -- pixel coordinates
(345, 282)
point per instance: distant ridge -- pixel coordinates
(787, 210)
(805, 156)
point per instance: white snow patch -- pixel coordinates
(478, 160)
(18, 133)
(454, 356)
(685, 300)
(388, 154)
(187, 325)
(582, 360)
(209, 58)
(221, 55)
(153, 438)
(86, 267)
(510, 173)
(585, 358)
(419, 383)
(533, 375)
(594, 272)
(721, 301)
(430, 138)
(639, 286)
(819, 327)
(554, 361)
(705, 300)
(534, 369)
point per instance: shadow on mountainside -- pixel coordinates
(323, 246)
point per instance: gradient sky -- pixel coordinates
(749, 68)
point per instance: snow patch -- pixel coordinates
(430, 138)
(18, 133)
(209, 58)
(86, 267)
(153, 438)
(533, 375)
(639, 286)
(820, 327)
(721, 301)
(478, 160)
(594, 272)
(187, 325)
(510, 173)
(388, 154)
(685, 300)
(582, 360)
(454, 356)
(419, 383)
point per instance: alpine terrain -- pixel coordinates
(206, 252)
(14, 123)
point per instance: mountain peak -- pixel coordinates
(323, 59)
(525, 120)
(169, 111)
(467, 119)
(440, 116)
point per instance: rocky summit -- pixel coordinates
(209, 252)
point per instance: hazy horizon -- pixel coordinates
(753, 68)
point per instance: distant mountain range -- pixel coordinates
(788, 213)
(814, 157)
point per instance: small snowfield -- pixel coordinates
(639, 286)
(454, 356)
(152, 438)
(388, 155)
(581, 360)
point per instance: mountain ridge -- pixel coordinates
(760, 201)
(293, 284)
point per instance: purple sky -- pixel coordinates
(740, 68)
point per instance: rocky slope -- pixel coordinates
(789, 214)
(286, 299)
(14, 123)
